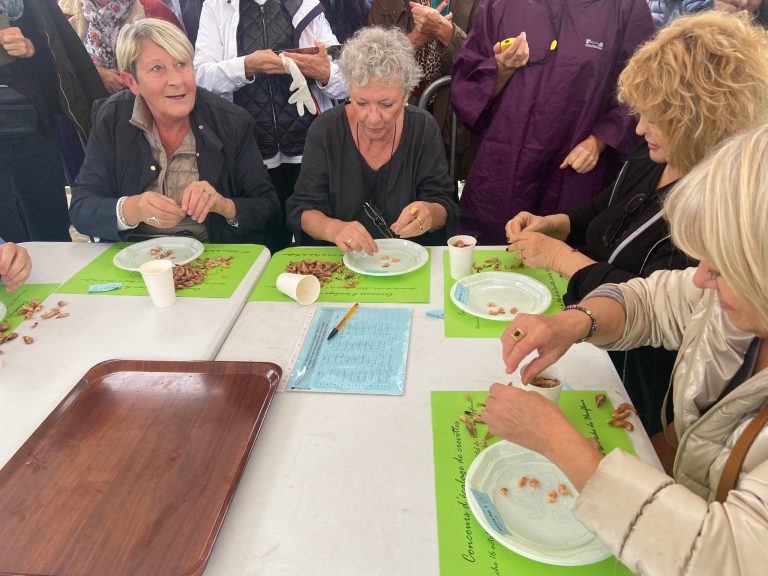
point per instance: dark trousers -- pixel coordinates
(283, 179)
(33, 204)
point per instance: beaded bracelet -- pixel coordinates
(120, 215)
(593, 319)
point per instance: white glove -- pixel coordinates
(302, 97)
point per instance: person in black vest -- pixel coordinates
(346, 16)
(236, 56)
(44, 72)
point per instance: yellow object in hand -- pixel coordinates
(504, 44)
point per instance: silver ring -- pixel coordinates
(153, 220)
(208, 191)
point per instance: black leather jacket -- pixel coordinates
(119, 162)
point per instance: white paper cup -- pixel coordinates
(553, 393)
(158, 276)
(461, 257)
(304, 288)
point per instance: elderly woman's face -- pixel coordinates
(378, 106)
(658, 147)
(167, 85)
(738, 310)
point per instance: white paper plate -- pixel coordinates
(401, 257)
(507, 290)
(184, 250)
(3, 311)
(524, 520)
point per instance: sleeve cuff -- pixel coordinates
(121, 223)
(633, 508)
(613, 498)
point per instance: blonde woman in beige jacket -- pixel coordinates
(716, 315)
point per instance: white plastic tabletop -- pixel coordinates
(342, 484)
(34, 378)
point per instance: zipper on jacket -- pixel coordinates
(619, 180)
(81, 131)
(269, 80)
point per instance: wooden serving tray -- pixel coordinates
(134, 470)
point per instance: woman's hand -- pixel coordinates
(315, 66)
(111, 79)
(528, 222)
(537, 250)
(415, 220)
(153, 209)
(529, 419)
(508, 61)
(555, 225)
(514, 57)
(429, 24)
(585, 155)
(263, 62)
(13, 41)
(521, 416)
(200, 198)
(351, 236)
(15, 266)
(550, 336)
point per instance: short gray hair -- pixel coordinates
(384, 53)
(162, 33)
(717, 213)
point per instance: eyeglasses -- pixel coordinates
(378, 220)
(610, 234)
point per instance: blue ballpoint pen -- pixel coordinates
(347, 316)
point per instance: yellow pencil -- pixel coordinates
(347, 316)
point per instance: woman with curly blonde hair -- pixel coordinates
(709, 514)
(696, 82)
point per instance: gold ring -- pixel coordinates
(518, 334)
(348, 242)
(153, 220)
(420, 221)
(413, 211)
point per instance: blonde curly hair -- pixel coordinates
(699, 80)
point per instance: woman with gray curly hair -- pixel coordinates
(374, 166)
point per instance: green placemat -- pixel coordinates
(219, 283)
(21, 297)
(411, 288)
(464, 547)
(459, 324)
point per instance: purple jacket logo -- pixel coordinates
(592, 44)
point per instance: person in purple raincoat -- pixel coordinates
(544, 106)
